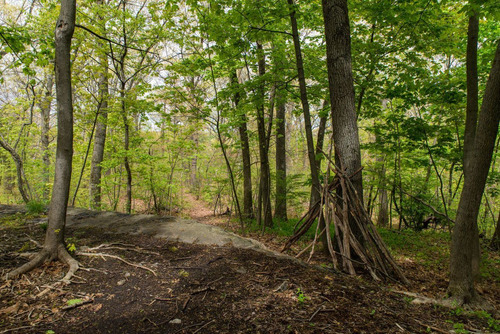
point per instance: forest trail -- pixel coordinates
(198, 210)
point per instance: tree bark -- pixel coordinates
(281, 191)
(126, 146)
(22, 182)
(54, 246)
(472, 91)
(471, 117)
(461, 286)
(383, 208)
(100, 131)
(245, 155)
(495, 240)
(344, 118)
(264, 205)
(320, 139)
(44, 138)
(315, 189)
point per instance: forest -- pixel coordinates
(358, 136)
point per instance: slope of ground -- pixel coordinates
(143, 284)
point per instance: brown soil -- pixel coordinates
(200, 289)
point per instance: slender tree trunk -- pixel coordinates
(100, 131)
(315, 190)
(281, 191)
(22, 182)
(126, 144)
(464, 243)
(264, 207)
(44, 138)
(495, 240)
(320, 139)
(344, 118)
(245, 154)
(383, 207)
(54, 246)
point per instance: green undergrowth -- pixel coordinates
(19, 219)
(280, 228)
(36, 207)
(432, 249)
(13, 221)
(428, 247)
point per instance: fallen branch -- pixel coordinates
(15, 329)
(431, 327)
(205, 325)
(84, 302)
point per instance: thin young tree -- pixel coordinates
(281, 188)
(54, 246)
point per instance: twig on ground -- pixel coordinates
(215, 280)
(84, 302)
(205, 325)
(431, 327)
(186, 303)
(208, 288)
(14, 329)
(316, 312)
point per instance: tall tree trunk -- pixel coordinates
(245, 154)
(100, 131)
(281, 191)
(315, 190)
(344, 119)
(464, 243)
(472, 92)
(44, 138)
(54, 246)
(471, 117)
(264, 205)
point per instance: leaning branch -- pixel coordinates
(111, 41)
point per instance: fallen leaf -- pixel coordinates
(11, 309)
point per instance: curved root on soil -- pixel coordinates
(44, 255)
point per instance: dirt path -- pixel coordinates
(198, 210)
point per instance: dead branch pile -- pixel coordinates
(341, 207)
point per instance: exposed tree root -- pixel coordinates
(35, 262)
(477, 303)
(70, 261)
(45, 255)
(102, 255)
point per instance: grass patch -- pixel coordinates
(13, 221)
(36, 207)
(430, 248)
